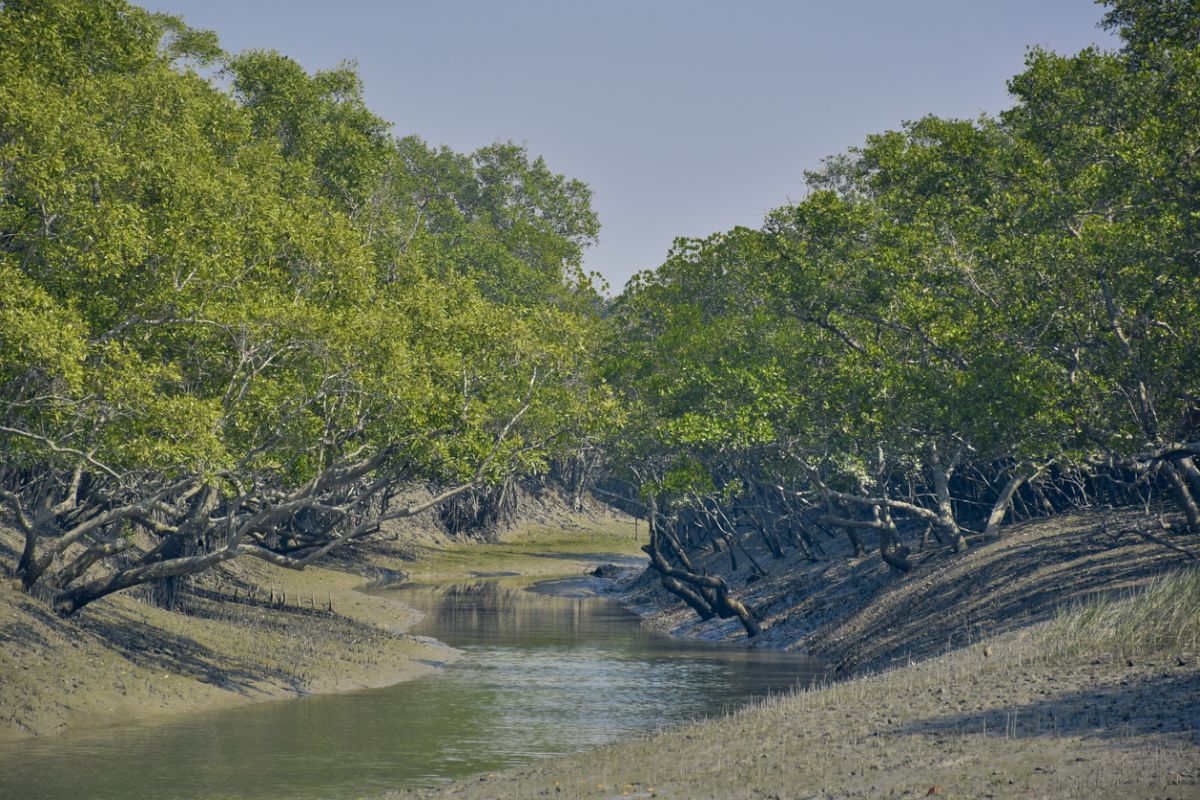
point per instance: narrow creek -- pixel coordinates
(541, 675)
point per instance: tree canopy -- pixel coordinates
(231, 313)
(954, 309)
(240, 316)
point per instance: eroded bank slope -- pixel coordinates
(1026, 703)
(860, 615)
(962, 725)
(251, 632)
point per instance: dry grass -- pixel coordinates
(1161, 618)
(1061, 693)
(995, 719)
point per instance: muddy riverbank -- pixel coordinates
(1009, 724)
(961, 683)
(860, 615)
(250, 632)
(958, 685)
(537, 675)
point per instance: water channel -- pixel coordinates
(541, 675)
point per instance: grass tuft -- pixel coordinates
(1163, 617)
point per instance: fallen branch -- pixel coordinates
(1165, 542)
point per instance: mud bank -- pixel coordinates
(250, 632)
(958, 684)
(857, 613)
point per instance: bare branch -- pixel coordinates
(57, 448)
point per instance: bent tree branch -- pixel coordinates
(191, 525)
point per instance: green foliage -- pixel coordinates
(38, 336)
(250, 287)
(319, 122)
(251, 282)
(1008, 288)
(507, 223)
(1146, 25)
(698, 358)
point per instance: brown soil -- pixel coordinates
(859, 614)
(122, 660)
(979, 702)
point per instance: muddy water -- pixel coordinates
(541, 675)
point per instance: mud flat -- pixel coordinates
(1034, 666)
(252, 632)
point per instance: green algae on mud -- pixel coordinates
(532, 552)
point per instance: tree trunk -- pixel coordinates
(84, 561)
(662, 534)
(1186, 501)
(1188, 467)
(1027, 471)
(689, 596)
(26, 570)
(941, 486)
(894, 557)
(30, 568)
(70, 601)
(709, 592)
(1044, 501)
(736, 608)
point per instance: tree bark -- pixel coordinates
(25, 567)
(856, 543)
(709, 591)
(1187, 466)
(1186, 501)
(894, 557)
(945, 514)
(1027, 471)
(677, 550)
(84, 561)
(70, 601)
(689, 596)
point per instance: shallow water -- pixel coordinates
(541, 675)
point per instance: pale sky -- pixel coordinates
(685, 118)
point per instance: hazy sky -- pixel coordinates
(685, 118)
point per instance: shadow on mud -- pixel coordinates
(1137, 706)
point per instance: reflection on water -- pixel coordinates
(541, 676)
